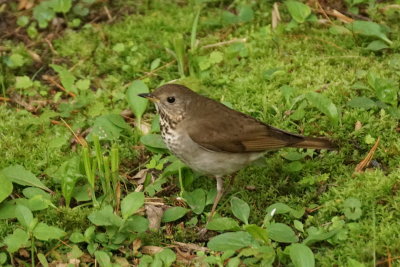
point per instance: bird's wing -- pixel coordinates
(235, 132)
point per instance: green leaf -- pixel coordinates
(43, 260)
(7, 210)
(281, 233)
(136, 223)
(353, 263)
(105, 217)
(352, 208)
(319, 236)
(230, 241)
(6, 187)
(45, 232)
(337, 29)
(66, 77)
(257, 233)
(377, 45)
(298, 225)
(155, 64)
(62, 6)
(298, 10)
(324, 104)
(173, 214)
(77, 237)
(15, 61)
(83, 85)
(153, 140)
(31, 192)
(108, 127)
(167, 256)
(131, 203)
(18, 174)
(22, 21)
(246, 13)
(386, 90)
(18, 239)
(222, 224)
(196, 200)
(23, 82)
(370, 29)
(3, 258)
(240, 209)
(293, 156)
(137, 104)
(103, 259)
(361, 102)
(301, 255)
(294, 166)
(24, 215)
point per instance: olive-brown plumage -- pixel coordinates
(214, 139)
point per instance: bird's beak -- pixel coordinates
(150, 97)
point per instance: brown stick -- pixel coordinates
(365, 162)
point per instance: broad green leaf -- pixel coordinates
(3, 258)
(131, 203)
(173, 214)
(246, 13)
(14, 61)
(136, 223)
(83, 84)
(362, 102)
(353, 263)
(257, 233)
(301, 255)
(45, 232)
(137, 104)
(319, 236)
(294, 166)
(369, 28)
(222, 224)
(293, 156)
(66, 77)
(387, 91)
(153, 140)
(298, 225)
(196, 200)
(43, 260)
(240, 209)
(167, 256)
(75, 252)
(24, 215)
(69, 173)
(298, 10)
(108, 127)
(43, 14)
(155, 64)
(280, 208)
(281, 233)
(325, 105)
(23, 82)
(230, 241)
(7, 210)
(35, 203)
(105, 217)
(377, 45)
(18, 239)
(103, 259)
(336, 29)
(18, 174)
(233, 262)
(6, 187)
(77, 237)
(352, 208)
(31, 192)
(62, 6)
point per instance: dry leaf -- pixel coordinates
(136, 244)
(140, 177)
(151, 250)
(154, 215)
(340, 16)
(365, 162)
(357, 126)
(276, 16)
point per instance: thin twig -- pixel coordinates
(365, 162)
(155, 70)
(236, 40)
(52, 81)
(79, 140)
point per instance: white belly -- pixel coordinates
(203, 160)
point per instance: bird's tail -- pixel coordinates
(314, 142)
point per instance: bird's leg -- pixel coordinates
(220, 192)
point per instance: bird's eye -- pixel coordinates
(171, 99)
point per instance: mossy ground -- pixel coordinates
(309, 58)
